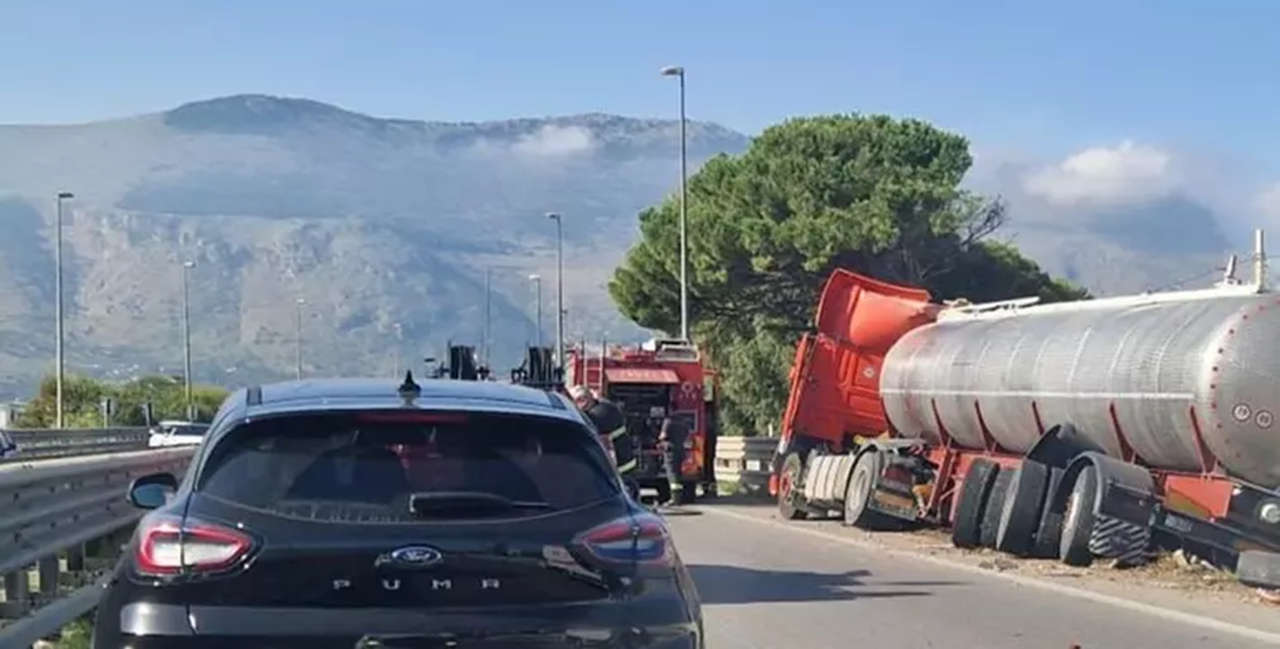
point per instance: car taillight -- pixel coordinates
(641, 538)
(167, 546)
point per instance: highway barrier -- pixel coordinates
(36, 444)
(743, 463)
(62, 525)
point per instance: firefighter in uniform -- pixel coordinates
(672, 438)
(611, 423)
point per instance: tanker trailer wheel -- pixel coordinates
(967, 522)
(790, 499)
(1020, 515)
(991, 512)
(1077, 522)
(1049, 532)
(861, 489)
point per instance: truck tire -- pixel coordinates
(860, 490)
(967, 522)
(1021, 512)
(994, 507)
(1049, 531)
(1077, 521)
(790, 499)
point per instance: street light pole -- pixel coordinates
(297, 337)
(488, 314)
(555, 216)
(678, 71)
(186, 338)
(537, 293)
(59, 361)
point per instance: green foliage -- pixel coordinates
(82, 398)
(870, 193)
(78, 634)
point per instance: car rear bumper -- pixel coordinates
(689, 640)
(637, 625)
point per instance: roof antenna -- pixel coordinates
(409, 391)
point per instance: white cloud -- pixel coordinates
(555, 141)
(1267, 202)
(1107, 175)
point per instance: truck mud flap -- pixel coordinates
(1259, 569)
(1124, 508)
(826, 479)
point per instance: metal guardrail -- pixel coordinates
(37, 444)
(744, 462)
(62, 524)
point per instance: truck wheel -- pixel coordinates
(860, 491)
(967, 521)
(790, 500)
(1049, 531)
(1077, 522)
(1021, 513)
(994, 507)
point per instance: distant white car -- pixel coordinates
(176, 433)
(7, 445)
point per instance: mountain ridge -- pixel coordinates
(374, 222)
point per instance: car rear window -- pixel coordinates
(332, 465)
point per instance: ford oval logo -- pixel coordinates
(417, 556)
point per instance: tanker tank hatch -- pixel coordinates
(1261, 282)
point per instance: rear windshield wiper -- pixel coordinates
(452, 502)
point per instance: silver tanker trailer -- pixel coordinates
(1076, 430)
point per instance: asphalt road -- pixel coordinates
(766, 586)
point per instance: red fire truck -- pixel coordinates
(648, 382)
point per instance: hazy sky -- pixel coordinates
(1056, 73)
(1046, 78)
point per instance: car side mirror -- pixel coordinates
(153, 490)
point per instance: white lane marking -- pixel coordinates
(1044, 394)
(1022, 580)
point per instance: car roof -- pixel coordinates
(380, 394)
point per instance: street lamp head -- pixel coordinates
(300, 301)
(188, 264)
(553, 215)
(673, 71)
(62, 196)
(535, 277)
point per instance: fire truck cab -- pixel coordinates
(648, 382)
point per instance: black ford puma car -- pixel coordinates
(358, 513)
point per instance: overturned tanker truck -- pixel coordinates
(1098, 428)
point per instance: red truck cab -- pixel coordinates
(835, 379)
(648, 382)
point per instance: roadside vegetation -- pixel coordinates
(873, 194)
(83, 397)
